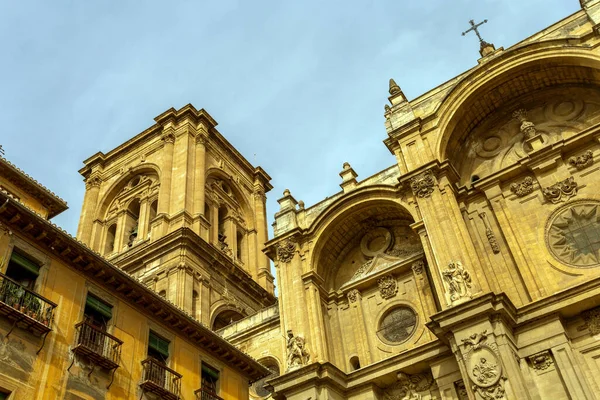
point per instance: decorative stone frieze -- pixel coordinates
(541, 361)
(361, 270)
(417, 267)
(483, 366)
(561, 191)
(408, 386)
(297, 354)
(458, 282)
(353, 295)
(286, 250)
(388, 287)
(423, 184)
(592, 320)
(522, 188)
(583, 161)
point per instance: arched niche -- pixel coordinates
(360, 234)
(258, 389)
(545, 82)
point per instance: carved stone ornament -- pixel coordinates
(583, 161)
(458, 281)
(408, 386)
(461, 390)
(353, 295)
(527, 127)
(423, 184)
(376, 241)
(93, 181)
(297, 354)
(561, 191)
(572, 232)
(168, 137)
(592, 320)
(523, 188)
(361, 270)
(417, 267)
(489, 233)
(388, 287)
(286, 250)
(541, 361)
(483, 366)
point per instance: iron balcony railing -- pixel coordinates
(25, 306)
(206, 394)
(98, 345)
(159, 379)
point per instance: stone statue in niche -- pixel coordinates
(458, 280)
(297, 353)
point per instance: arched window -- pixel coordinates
(225, 318)
(195, 298)
(111, 234)
(132, 221)
(240, 244)
(153, 210)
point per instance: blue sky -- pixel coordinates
(299, 84)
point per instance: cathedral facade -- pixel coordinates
(467, 269)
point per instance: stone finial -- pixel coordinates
(300, 205)
(394, 88)
(287, 202)
(348, 177)
(286, 192)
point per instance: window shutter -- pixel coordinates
(158, 344)
(25, 263)
(99, 306)
(210, 371)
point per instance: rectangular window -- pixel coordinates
(97, 312)
(210, 379)
(158, 347)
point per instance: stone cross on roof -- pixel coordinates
(485, 48)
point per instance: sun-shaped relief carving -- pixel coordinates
(573, 234)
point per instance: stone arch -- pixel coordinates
(373, 209)
(238, 194)
(117, 187)
(516, 73)
(224, 309)
(276, 367)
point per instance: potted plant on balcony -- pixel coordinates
(14, 294)
(31, 305)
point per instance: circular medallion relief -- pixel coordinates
(397, 325)
(573, 234)
(375, 242)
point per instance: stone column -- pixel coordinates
(363, 345)
(88, 209)
(143, 223)
(423, 289)
(164, 192)
(199, 175)
(260, 212)
(120, 239)
(316, 321)
(458, 267)
(214, 223)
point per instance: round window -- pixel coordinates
(397, 325)
(573, 234)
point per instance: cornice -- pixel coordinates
(78, 256)
(49, 199)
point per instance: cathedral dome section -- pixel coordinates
(492, 121)
(373, 265)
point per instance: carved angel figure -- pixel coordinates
(458, 280)
(297, 353)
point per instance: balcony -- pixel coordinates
(159, 379)
(26, 308)
(97, 345)
(205, 394)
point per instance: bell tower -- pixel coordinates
(178, 207)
